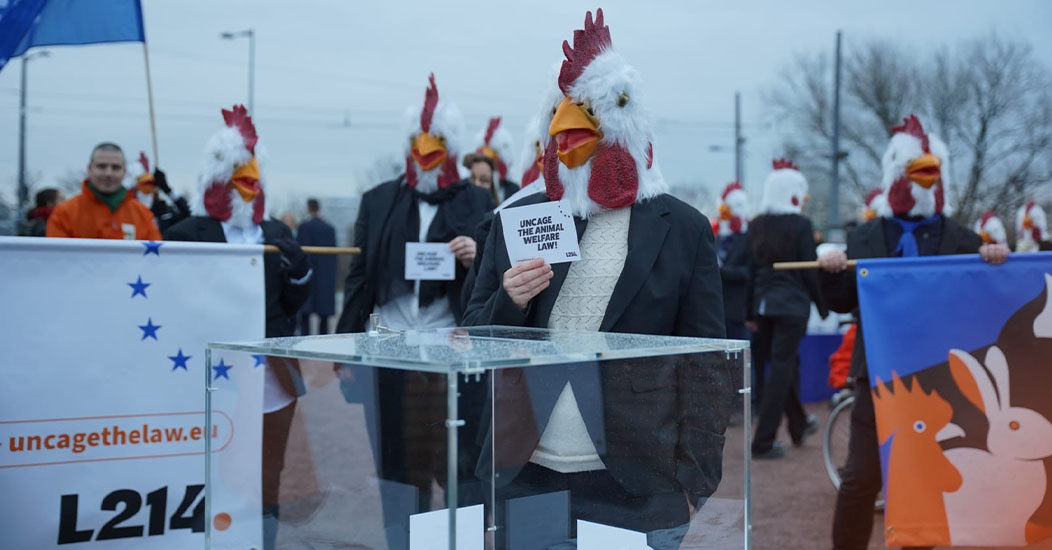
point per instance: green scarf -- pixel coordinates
(113, 200)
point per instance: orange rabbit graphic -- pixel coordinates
(917, 471)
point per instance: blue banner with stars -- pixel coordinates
(103, 400)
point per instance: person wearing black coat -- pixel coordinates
(669, 285)
(461, 207)
(322, 301)
(914, 225)
(733, 253)
(778, 305)
(286, 280)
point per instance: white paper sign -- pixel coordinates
(596, 536)
(544, 230)
(429, 262)
(430, 530)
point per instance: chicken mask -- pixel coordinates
(230, 182)
(733, 210)
(600, 155)
(990, 228)
(785, 189)
(915, 169)
(434, 131)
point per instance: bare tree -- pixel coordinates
(988, 98)
(1003, 126)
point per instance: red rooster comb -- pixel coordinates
(784, 164)
(493, 124)
(873, 193)
(145, 162)
(732, 186)
(238, 118)
(430, 103)
(911, 125)
(1030, 204)
(986, 217)
(588, 43)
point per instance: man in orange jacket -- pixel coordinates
(104, 209)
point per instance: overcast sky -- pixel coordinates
(333, 77)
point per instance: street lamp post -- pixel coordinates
(251, 61)
(23, 186)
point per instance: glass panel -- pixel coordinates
(471, 348)
(635, 444)
(360, 453)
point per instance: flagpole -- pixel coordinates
(149, 95)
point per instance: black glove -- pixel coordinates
(161, 181)
(293, 258)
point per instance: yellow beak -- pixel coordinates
(428, 151)
(246, 180)
(489, 152)
(576, 133)
(869, 214)
(146, 184)
(1028, 223)
(986, 237)
(924, 170)
(725, 211)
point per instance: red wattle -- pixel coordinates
(410, 171)
(614, 181)
(553, 187)
(900, 199)
(531, 175)
(449, 174)
(217, 201)
(736, 224)
(257, 207)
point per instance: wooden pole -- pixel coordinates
(149, 95)
(323, 250)
(790, 266)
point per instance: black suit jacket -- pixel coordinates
(318, 232)
(359, 291)
(867, 241)
(508, 188)
(734, 271)
(784, 293)
(664, 418)
(283, 297)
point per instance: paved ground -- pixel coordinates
(333, 497)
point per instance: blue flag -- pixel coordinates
(26, 24)
(959, 358)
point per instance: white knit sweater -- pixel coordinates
(565, 445)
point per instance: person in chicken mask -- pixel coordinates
(648, 265)
(915, 171)
(231, 208)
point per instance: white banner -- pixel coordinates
(102, 427)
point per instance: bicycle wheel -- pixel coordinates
(835, 440)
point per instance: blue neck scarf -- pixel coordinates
(908, 241)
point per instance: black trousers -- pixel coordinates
(777, 341)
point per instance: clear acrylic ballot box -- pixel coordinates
(472, 438)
